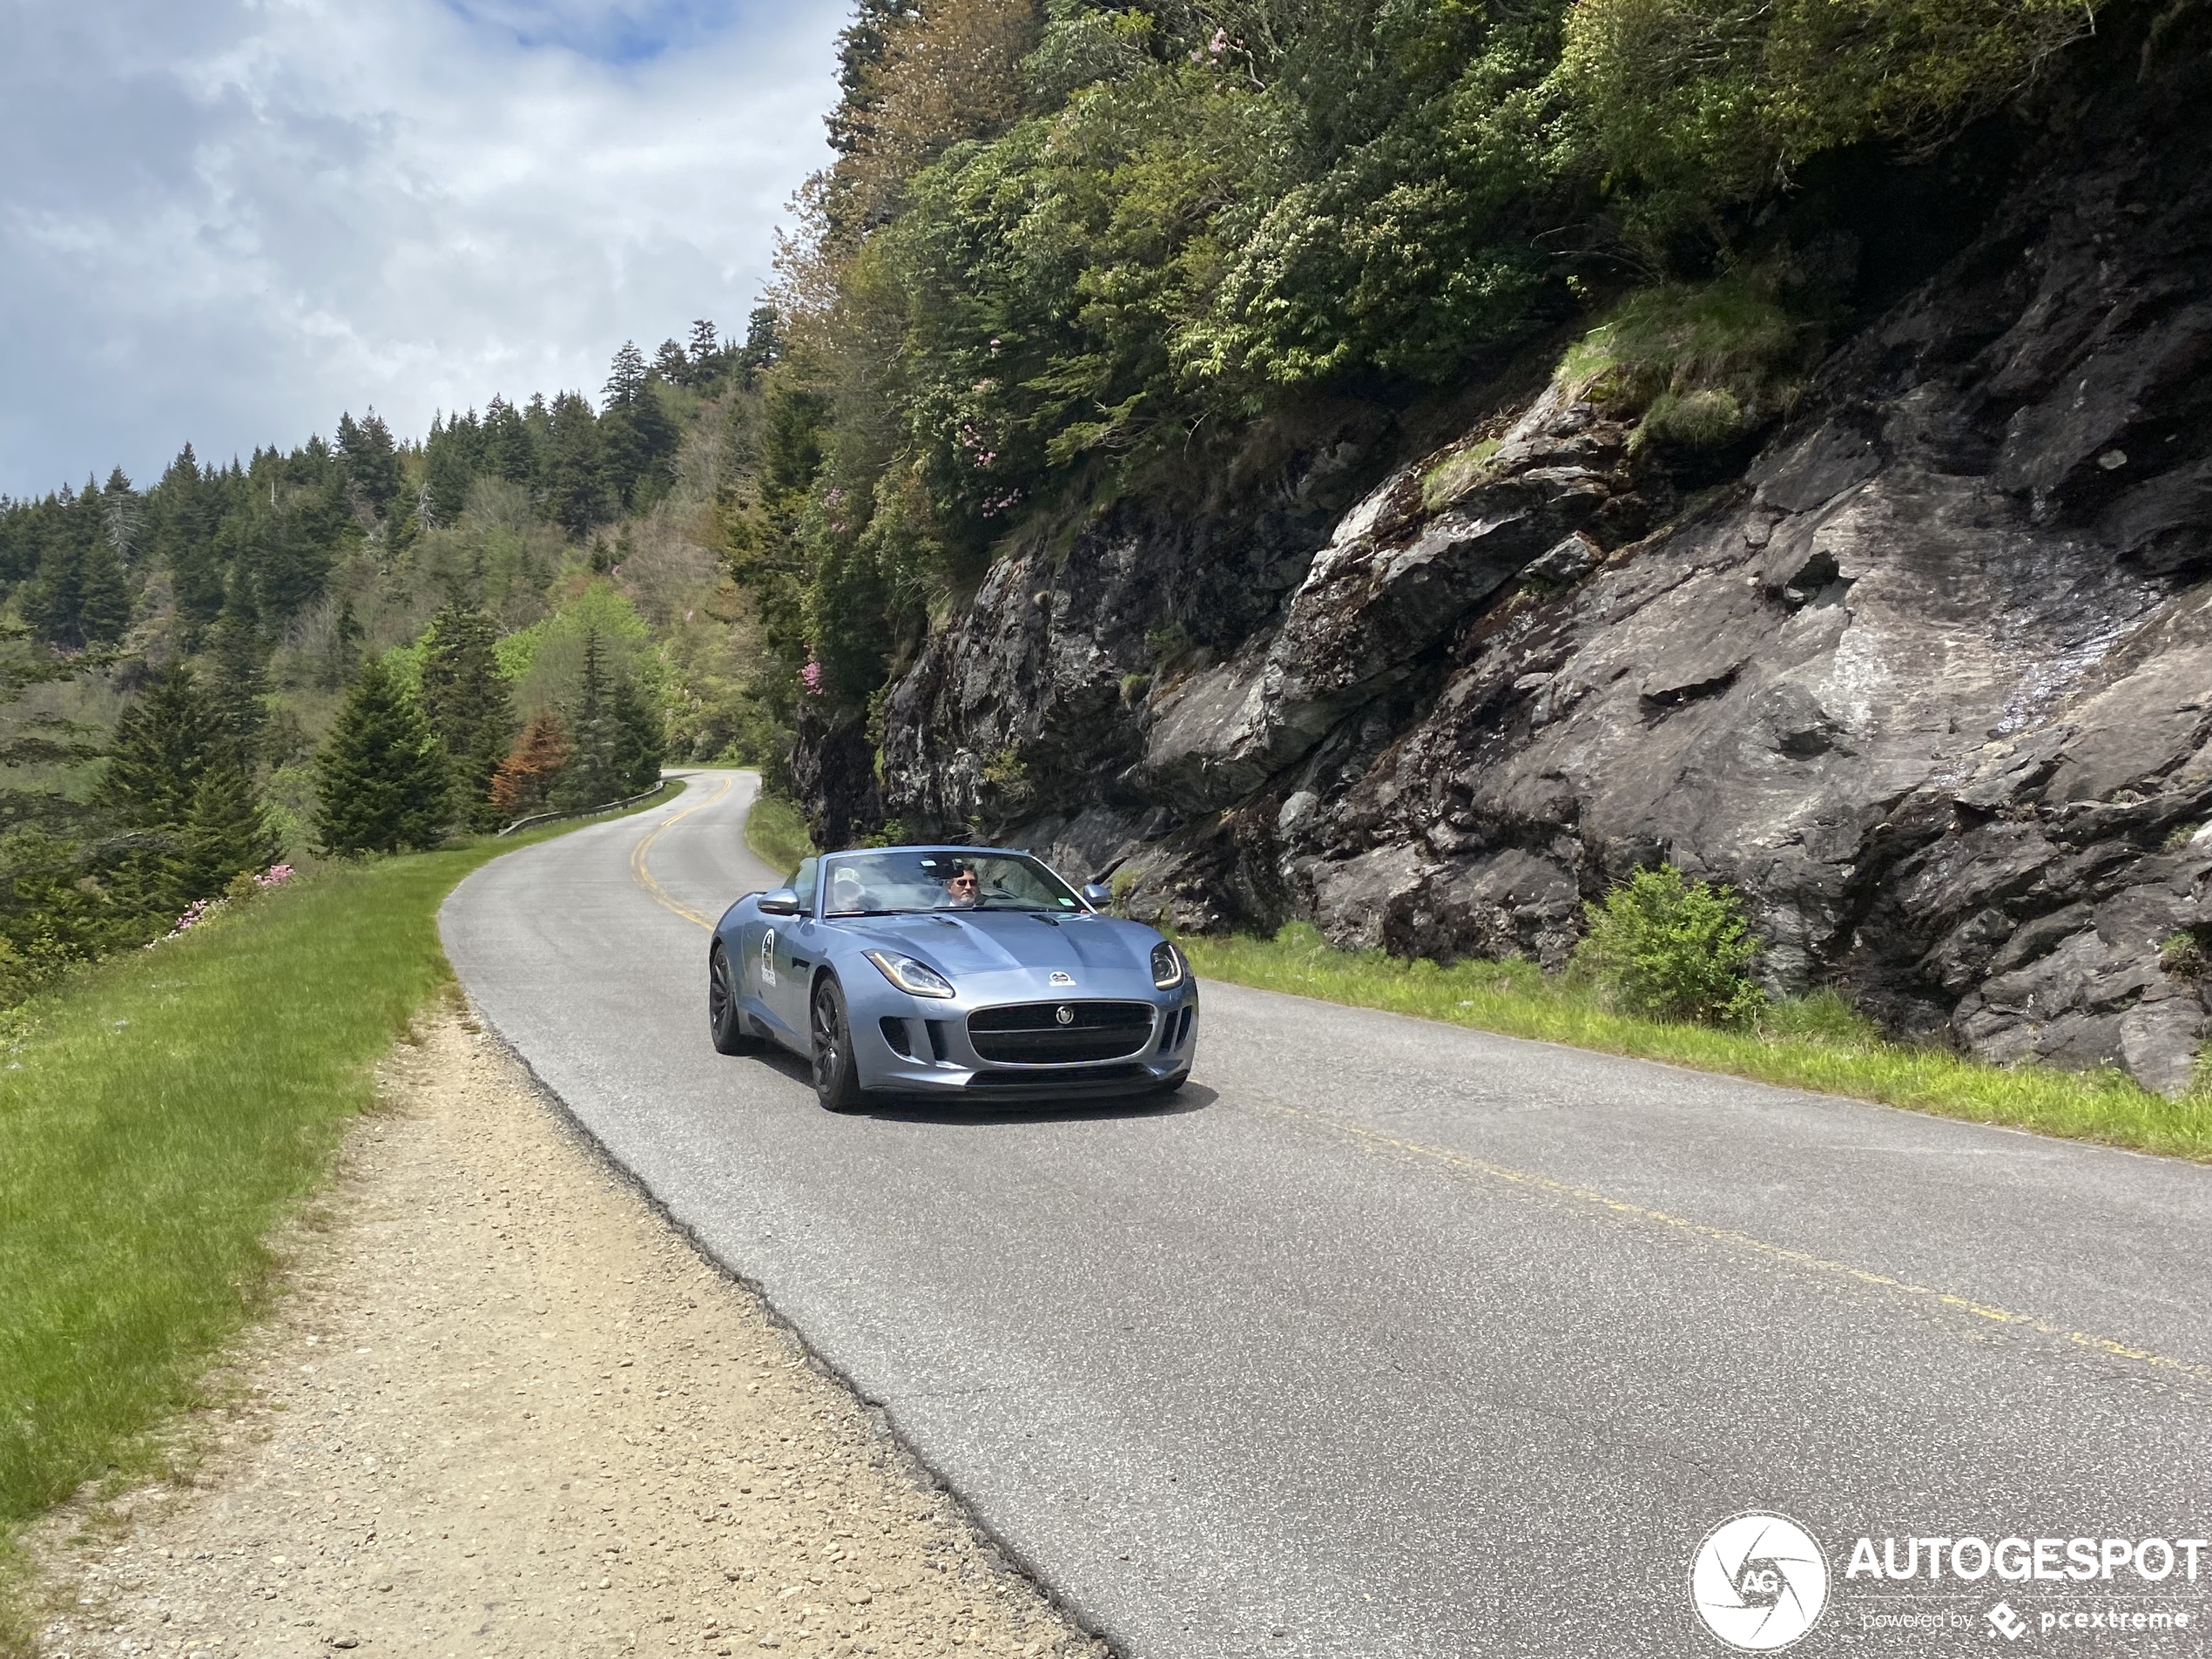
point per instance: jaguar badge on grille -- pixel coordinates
(1065, 1014)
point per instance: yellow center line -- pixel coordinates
(642, 874)
(1802, 1259)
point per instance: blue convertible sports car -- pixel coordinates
(951, 971)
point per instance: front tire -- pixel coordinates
(725, 1021)
(837, 1072)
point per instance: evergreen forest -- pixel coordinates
(367, 644)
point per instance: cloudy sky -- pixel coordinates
(227, 220)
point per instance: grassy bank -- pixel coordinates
(1816, 1044)
(776, 832)
(159, 1113)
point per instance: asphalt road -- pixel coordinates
(1391, 1338)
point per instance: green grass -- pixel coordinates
(776, 832)
(1677, 351)
(1816, 1043)
(160, 1113)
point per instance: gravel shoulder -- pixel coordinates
(503, 1408)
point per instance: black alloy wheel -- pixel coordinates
(725, 1021)
(837, 1078)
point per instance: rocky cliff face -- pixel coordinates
(1931, 682)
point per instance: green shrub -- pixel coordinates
(1671, 949)
(1708, 418)
(2182, 955)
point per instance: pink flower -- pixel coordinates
(275, 876)
(195, 912)
(811, 677)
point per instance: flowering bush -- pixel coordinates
(275, 876)
(195, 912)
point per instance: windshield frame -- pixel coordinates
(1046, 876)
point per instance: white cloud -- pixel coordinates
(229, 219)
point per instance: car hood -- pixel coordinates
(983, 941)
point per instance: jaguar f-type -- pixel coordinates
(953, 972)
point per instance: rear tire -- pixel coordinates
(725, 1021)
(837, 1074)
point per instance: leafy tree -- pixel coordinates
(1700, 103)
(465, 698)
(381, 778)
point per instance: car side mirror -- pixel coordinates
(1097, 894)
(782, 903)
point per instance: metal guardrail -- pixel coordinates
(536, 818)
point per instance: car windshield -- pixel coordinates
(894, 883)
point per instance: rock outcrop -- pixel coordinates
(1929, 683)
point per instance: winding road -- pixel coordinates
(1391, 1338)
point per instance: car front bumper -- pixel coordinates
(917, 1046)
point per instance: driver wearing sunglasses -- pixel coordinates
(961, 889)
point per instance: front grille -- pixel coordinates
(1030, 1033)
(1074, 1077)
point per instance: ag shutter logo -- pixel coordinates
(1759, 1582)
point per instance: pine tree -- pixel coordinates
(576, 490)
(465, 698)
(371, 459)
(510, 449)
(382, 776)
(240, 681)
(763, 339)
(190, 505)
(592, 777)
(162, 744)
(224, 833)
(626, 376)
(639, 738)
(526, 779)
(162, 748)
(103, 599)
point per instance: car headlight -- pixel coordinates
(915, 979)
(1167, 966)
